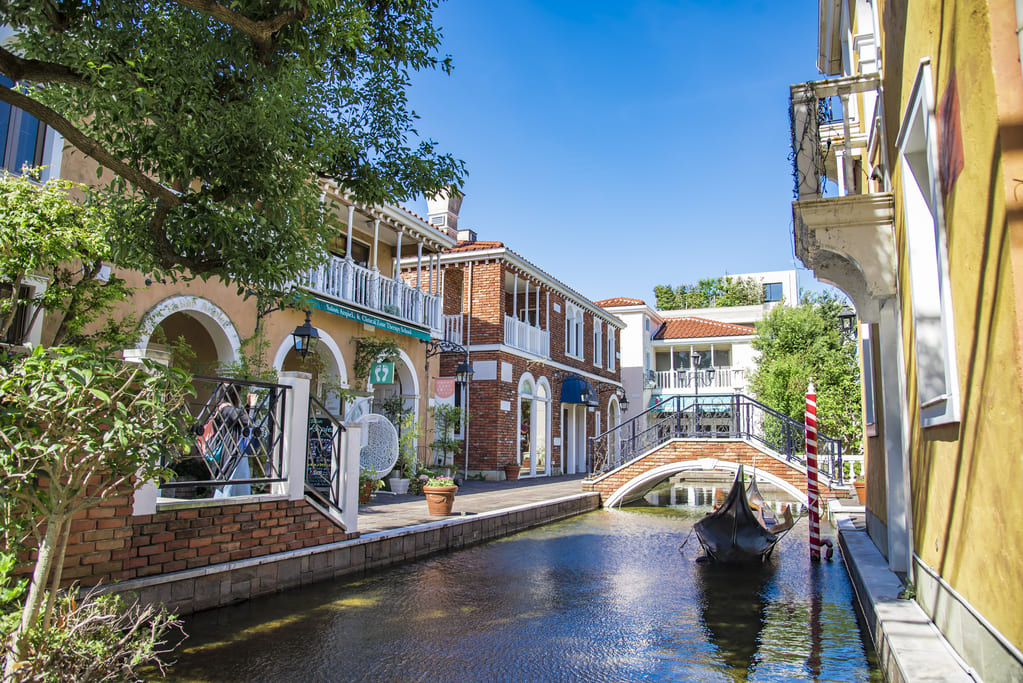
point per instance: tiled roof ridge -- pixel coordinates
(620, 301)
(693, 327)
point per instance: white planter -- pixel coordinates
(397, 485)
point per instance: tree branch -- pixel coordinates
(89, 146)
(261, 31)
(36, 71)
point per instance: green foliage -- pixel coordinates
(408, 431)
(77, 426)
(369, 350)
(710, 292)
(446, 419)
(98, 637)
(221, 119)
(799, 344)
(45, 233)
(252, 363)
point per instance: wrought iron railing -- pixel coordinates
(238, 440)
(714, 416)
(324, 473)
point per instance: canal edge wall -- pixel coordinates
(219, 585)
(909, 646)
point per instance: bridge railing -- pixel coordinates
(713, 416)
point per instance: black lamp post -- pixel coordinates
(847, 323)
(623, 401)
(305, 337)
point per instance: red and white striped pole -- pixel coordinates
(812, 492)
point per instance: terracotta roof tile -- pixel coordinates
(690, 328)
(478, 245)
(619, 301)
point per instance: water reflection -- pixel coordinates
(601, 597)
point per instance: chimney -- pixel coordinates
(466, 235)
(443, 209)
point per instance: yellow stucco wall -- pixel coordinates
(965, 478)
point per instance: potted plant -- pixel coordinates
(446, 419)
(405, 468)
(367, 485)
(440, 495)
(511, 471)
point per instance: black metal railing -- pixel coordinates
(714, 416)
(237, 447)
(324, 471)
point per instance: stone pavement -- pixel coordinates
(387, 511)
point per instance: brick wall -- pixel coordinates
(108, 544)
(678, 450)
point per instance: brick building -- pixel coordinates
(545, 359)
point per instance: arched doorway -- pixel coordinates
(326, 365)
(534, 426)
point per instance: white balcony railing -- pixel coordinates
(350, 283)
(526, 337)
(835, 132)
(453, 328)
(723, 379)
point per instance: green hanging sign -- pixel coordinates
(381, 373)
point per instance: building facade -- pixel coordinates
(906, 160)
(545, 359)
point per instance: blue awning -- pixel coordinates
(577, 390)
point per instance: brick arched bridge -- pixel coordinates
(708, 433)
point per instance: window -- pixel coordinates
(772, 292)
(573, 331)
(18, 330)
(598, 341)
(610, 348)
(24, 136)
(930, 291)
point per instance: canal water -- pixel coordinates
(606, 596)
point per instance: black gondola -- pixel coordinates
(734, 534)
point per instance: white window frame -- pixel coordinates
(573, 331)
(937, 374)
(598, 341)
(610, 348)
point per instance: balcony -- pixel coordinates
(843, 215)
(350, 283)
(526, 337)
(724, 379)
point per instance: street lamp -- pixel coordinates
(623, 400)
(305, 337)
(847, 323)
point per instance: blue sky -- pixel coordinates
(621, 145)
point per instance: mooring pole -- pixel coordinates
(812, 492)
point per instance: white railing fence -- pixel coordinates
(526, 337)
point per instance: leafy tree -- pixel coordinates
(446, 419)
(798, 344)
(45, 233)
(710, 292)
(76, 426)
(221, 121)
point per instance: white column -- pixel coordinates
(515, 296)
(548, 312)
(397, 254)
(296, 434)
(432, 257)
(527, 301)
(351, 444)
(850, 180)
(376, 243)
(348, 238)
(419, 263)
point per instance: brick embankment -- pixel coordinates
(680, 450)
(107, 543)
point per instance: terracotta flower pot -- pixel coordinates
(511, 472)
(366, 489)
(861, 490)
(440, 499)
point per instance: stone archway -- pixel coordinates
(204, 326)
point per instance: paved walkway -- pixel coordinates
(387, 511)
